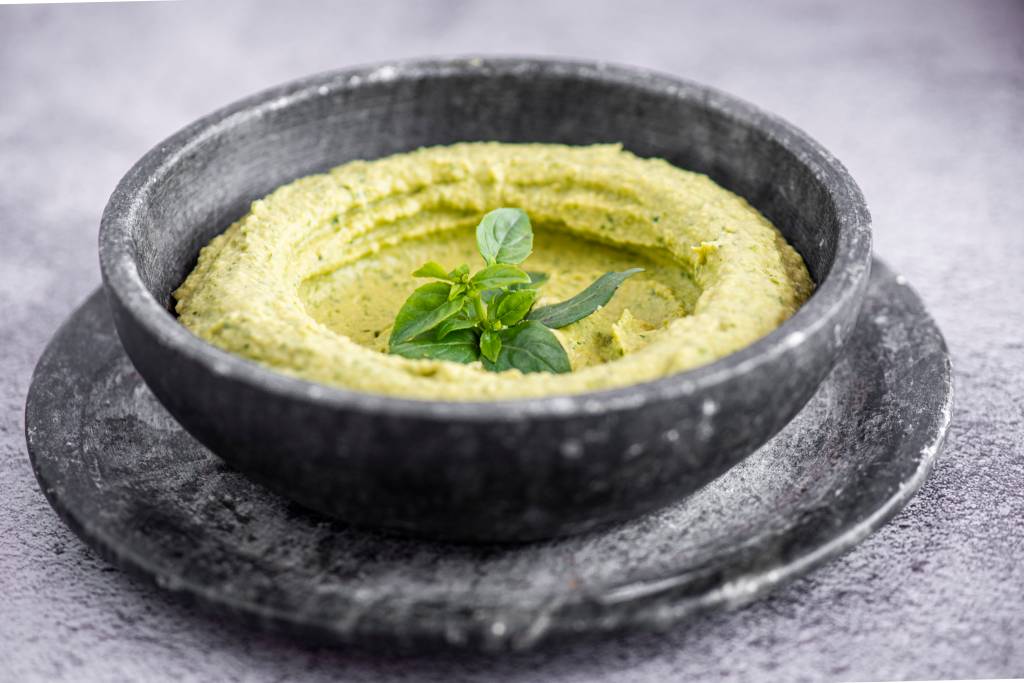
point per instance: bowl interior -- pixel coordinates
(243, 152)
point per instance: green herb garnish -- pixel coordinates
(489, 315)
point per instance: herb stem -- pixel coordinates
(478, 305)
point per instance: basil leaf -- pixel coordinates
(514, 307)
(432, 269)
(583, 304)
(490, 345)
(505, 236)
(498, 276)
(459, 273)
(463, 320)
(536, 280)
(424, 310)
(529, 347)
(460, 346)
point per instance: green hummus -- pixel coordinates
(309, 281)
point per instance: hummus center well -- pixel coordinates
(359, 301)
(310, 280)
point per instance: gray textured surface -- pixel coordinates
(922, 100)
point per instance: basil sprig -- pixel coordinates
(489, 315)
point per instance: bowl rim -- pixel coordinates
(122, 281)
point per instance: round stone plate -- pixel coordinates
(143, 493)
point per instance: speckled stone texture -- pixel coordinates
(921, 100)
(149, 498)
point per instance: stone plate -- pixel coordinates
(137, 488)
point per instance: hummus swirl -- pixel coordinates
(309, 280)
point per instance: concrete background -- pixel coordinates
(924, 102)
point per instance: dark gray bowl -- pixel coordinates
(499, 471)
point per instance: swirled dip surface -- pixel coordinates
(309, 281)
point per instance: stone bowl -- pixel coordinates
(512, 470)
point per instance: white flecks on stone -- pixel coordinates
(709, 407)
(280, 102)
(571, 449)
(795, 339)
(706, 427)
(388, 72)
(738, 592)
(498, 628)
(672, 435)
(635, 450)
(322, 90)
(900, 280)
(537, 628)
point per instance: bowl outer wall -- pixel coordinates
(503, 470)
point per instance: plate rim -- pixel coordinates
(654, 606)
